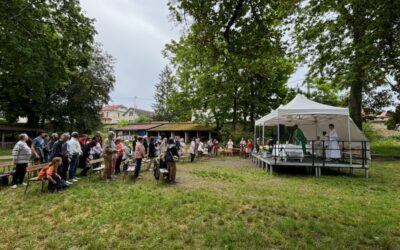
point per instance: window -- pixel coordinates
(130, 113)
(107, 114)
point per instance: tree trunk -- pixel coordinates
(33, 120)
(359, 60)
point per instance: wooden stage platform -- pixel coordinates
(269, 163)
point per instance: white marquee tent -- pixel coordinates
(313, 118)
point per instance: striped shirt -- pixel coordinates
(21, 152)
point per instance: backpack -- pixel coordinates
(168, 156)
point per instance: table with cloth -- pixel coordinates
(285, 151)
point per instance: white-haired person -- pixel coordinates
(21, 155)
(75, 150)
(108, 153)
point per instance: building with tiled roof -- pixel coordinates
(185, 130)
(112, 114)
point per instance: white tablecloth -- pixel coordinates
(286, 151)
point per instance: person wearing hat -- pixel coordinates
(75, 150)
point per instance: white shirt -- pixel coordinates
(192, 146)
(74, 147)
(200, 147)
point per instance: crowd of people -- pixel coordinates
(66, 153)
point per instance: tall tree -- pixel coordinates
(350, 43)
(231, 60)
(164, 90)
(45, 45)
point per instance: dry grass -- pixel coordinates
(222, 203)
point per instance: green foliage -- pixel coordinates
(323, 91)
(394, 120)
(350, 44)
(166, 97)
(123, 123)
(369, 131)
(231, 60)
(142, 119)
(236, 135)
(50, 69)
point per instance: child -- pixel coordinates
(50, 173)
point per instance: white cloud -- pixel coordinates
(134, 32)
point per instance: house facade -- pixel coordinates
(112, 114)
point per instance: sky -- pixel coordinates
(134, 32)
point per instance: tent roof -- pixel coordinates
(313, 118)
(301, 106)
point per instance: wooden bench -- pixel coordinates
(6, 157)
(6, 170)
(99, 169)
(34, 169)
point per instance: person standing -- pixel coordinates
(127, 155)
(96, 151)
(242, 147)
(109, 151)
(145, 145)
(139, 155)
(192, 149)
(37, 147)
(50, 144)
(215, 146)
(333, 151)
(46, 153)
(200, 150)
(210, 145)
(230, 147)
(75, 150)
(120, 154)
(21, 155)
(98, 138)
(170, 155)
(299, 138)
(134, 142)
(249, 148)
(60, 149)
(152, 152)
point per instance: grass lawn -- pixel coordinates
(222, 203)
(386, 147)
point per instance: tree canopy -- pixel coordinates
(231, 60)
(50, 68)
(352, 44)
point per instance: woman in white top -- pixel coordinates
(230, 147)
(192, 149)
(200, 150)
(333, 150)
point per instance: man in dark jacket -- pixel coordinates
(171, 153)
(152, 152)
(60, 149)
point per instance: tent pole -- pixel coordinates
(277, 142)
(348, 128)
(255, 134)
(263, 141)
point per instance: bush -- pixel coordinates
(369, 131)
